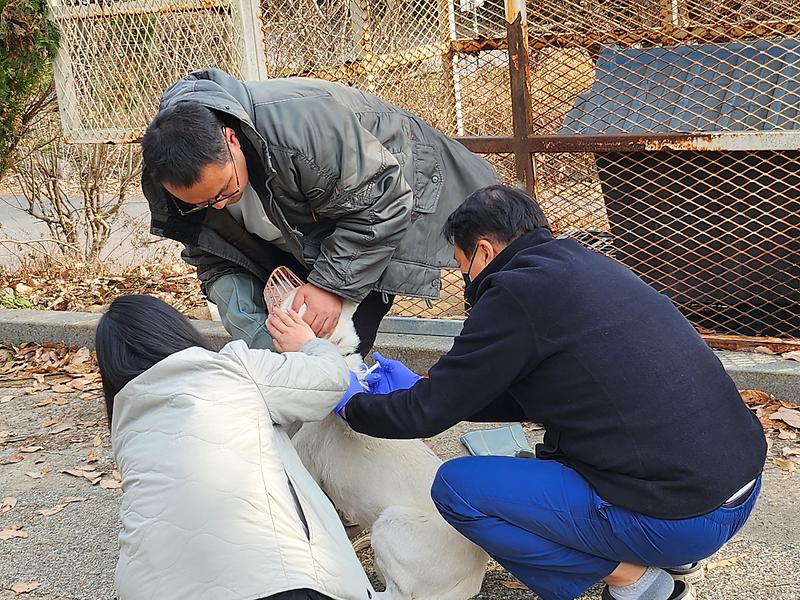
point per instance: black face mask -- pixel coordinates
(467, 278)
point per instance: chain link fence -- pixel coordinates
(665, 133)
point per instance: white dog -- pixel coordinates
(385, 485)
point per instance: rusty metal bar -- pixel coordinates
(721, 141)
(627, 37)
(519, 71)
(742, 342)
(665, 37)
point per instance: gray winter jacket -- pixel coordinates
(359, 187)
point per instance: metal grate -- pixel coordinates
(673, 128)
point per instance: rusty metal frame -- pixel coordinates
(725, 141)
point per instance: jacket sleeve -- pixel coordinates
(351, 178)
(300, 386)
(496, 347)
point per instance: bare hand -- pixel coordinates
(322, 309)
(288, 330)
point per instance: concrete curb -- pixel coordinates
(405, 339)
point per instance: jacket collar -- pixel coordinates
(527, 240)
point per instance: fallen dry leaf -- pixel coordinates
(60, 401)
(13, 459)
(789, 404)
(81, 356)
(725, 562)
(790, 451)
(787, 434)
(93, 476)
(764, 350)
(7, 534)
(787, 415)
(24, 588)
(97, 440)
(110, 484)
(8, 503)
(52, 421)
(34, 474)
(61, 428)
(60, 388)
(116, 475)
(793, 355)
(30, 449)
(70, 499)
(784, 464)
(73, 472)
(91, 456)
(4, 399)
(44, 402)
(754, 397)
(49, 512)
(514, 585)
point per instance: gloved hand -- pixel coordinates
(391, 375)
(356, 387)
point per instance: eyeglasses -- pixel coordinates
(219, 198)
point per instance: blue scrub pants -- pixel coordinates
(547, 526)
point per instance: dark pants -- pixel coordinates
(297, 595)
(367, 319)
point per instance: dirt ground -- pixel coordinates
(59, 500)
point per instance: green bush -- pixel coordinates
(28, 42)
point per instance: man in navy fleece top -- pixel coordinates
(650, 460)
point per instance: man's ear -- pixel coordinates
(230, 135)
(486, 249)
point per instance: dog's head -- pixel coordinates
(280, 291)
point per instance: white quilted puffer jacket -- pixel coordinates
(216, 504)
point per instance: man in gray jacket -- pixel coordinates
(347, 189)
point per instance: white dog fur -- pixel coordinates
(385, 485)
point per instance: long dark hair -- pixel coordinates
(135, 333)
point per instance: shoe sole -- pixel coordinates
(691, 577)
(688, 593)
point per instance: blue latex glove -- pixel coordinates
(391, 375)
(356, 387)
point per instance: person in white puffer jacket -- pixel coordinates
(216, 504)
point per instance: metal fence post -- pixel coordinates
(247, 19)
(519, 71)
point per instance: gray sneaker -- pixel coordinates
(691, 574)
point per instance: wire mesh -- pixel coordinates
(117, 58)
(713, 222)
(703, 203)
